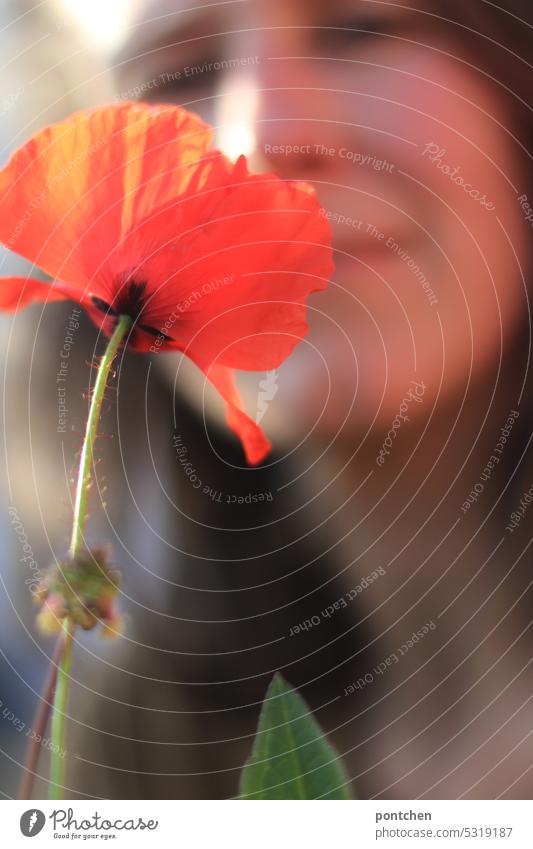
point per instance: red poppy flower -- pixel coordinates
(129, 212)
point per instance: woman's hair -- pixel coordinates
(495, 39)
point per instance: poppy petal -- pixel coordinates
(126, 208)
(234, 284)
(19, 292)
(71, 192)
(254, 442)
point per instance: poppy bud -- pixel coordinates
(83, 589)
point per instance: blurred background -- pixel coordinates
(395, 502)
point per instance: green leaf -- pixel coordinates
(291, 757)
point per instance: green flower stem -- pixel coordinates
(86, 459)
(59, 714)
(60, 705)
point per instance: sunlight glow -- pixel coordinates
(235, 119)
(104, 22)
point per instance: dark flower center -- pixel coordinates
(130, 301)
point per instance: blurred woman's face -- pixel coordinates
(408, 149)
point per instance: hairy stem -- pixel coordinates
(86, 459)
(40, 721)
(59, 715)
(77, 544)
